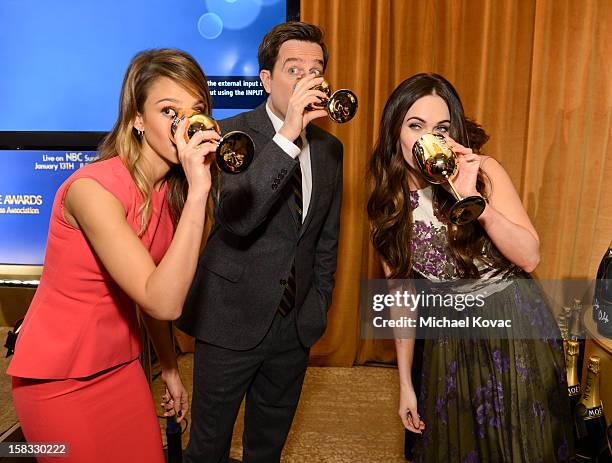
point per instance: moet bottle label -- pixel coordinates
(593, 413)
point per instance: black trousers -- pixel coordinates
(270, 375)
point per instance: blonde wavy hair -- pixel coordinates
(124, 141)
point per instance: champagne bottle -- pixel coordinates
(567, 317)
(561, 320)
(610, 438)
(576, 333)
(565, 338)
(562, 324)
(567, 310)
(599, 276)
(589, 419)
(602, 299)
(573, 380)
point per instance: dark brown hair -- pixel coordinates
(290, 30)
(123, 140)
(389, 207)
(476, 135)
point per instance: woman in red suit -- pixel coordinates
(125, 229)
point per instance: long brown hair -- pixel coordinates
(389, 207)
(123, 140)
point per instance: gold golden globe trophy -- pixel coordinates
(438, 164)
(235, 150)
(341, 105)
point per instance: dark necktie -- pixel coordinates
(288, 300)
(296, 189)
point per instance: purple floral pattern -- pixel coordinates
(521, 369)
(482, 394)
(431, 255)
(502, 364)
(538, 412)
(450, 393)
(414, 199)
(489, 406)
(472, 457)
(563, 453)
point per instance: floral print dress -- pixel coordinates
(489, 399)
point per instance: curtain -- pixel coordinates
(535, 74)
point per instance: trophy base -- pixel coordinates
(235, 152)
(342, 106)
(467, 210)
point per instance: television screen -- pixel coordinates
(63, 61)
(63, 64)
(28, 182)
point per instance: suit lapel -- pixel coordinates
(260, 122)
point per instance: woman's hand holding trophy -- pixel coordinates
(438, 164)
(235, 150)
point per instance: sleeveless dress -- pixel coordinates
(76, 374)
(489, 398)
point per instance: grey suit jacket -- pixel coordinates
(243, 270)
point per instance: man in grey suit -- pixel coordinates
(264, 282)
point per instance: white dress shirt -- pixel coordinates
(303, 156)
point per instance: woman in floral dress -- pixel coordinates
(495, 396)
